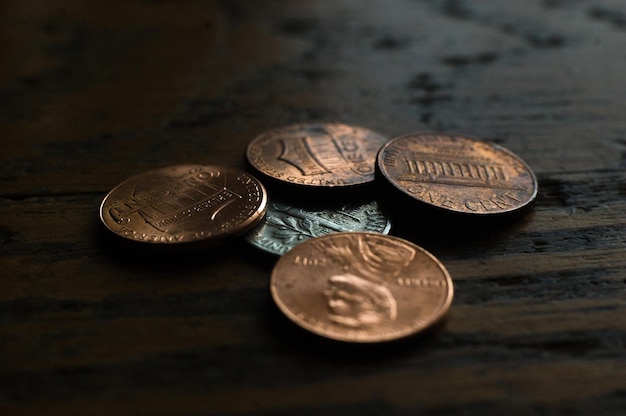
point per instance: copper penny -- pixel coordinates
(317, 155)
(184, 204)
(457, 173)
(361, 287)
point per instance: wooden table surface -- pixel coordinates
(94, 92)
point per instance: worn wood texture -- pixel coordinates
(94, 92)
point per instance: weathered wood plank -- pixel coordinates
(93, 93)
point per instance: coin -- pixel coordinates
(287, 224)
(457, 173)
(317, 155)
(184, 204)
(361, 287)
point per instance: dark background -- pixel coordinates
(94, 92)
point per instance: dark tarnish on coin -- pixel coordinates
(286, 225)
(184, 204)
(317, 155)
(361, 287)
(457, 173)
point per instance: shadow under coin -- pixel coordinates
(433, 228)
(308, 344)
(167, 260)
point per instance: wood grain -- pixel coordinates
(94, 92)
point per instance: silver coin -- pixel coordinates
(286, 225)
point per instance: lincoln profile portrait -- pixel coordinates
(358, 296)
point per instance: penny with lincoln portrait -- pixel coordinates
(184, 204)
(317, 155)
(457, 174)
(361, 287)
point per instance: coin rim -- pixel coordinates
(242, 227)
(380, 167)
(436, 317)
(295, 126)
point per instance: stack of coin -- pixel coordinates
(337, 278)
(365, 287)
(340, 275)
(306, 164)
